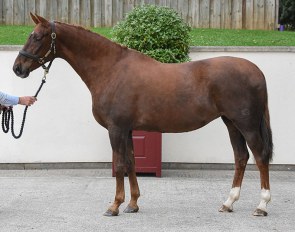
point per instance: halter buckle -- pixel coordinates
(53, 35)
(41, 60)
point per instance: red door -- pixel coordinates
(147, 152)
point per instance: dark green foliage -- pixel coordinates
(156, 31)
(287, 13)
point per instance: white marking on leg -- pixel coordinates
(265, 198)
(234, 195)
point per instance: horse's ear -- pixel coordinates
(34, 18)
(41, 20)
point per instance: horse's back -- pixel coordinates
(227, 68)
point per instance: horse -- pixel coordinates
(131, 91)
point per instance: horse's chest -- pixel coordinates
(99, 115)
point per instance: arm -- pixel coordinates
(9, 100)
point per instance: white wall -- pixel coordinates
(60, 126)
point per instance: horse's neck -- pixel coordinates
(90, 55)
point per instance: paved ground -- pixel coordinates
(182, 200)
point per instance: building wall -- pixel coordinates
(60, 126)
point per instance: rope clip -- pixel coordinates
(45, 73)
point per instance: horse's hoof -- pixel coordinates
(110, 213)
(225, 209)
(130, 209)
(259, 212)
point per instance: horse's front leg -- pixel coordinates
(134, 189)
(118, 140)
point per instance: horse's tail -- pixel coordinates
(266, 135)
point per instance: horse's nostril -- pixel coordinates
(17, 69)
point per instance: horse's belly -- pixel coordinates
(176, 121)
(178, 126)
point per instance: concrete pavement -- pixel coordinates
(182, 200)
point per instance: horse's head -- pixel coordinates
(39, 48)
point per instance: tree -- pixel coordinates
(287, 13)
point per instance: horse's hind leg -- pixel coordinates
(255, 142)
(134, 189)
(257, 132)
(241, 158)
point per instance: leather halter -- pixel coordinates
(41, 60)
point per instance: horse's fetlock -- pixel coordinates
(120, 200)
(135, 195)
(235, 193)
(265, 195)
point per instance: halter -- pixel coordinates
(41, 60)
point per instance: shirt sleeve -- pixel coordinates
(8, 100)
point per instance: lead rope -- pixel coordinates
(8, 114)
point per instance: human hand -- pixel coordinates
(27, 100)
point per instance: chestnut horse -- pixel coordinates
(131, 91)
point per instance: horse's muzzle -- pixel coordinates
(20, 71)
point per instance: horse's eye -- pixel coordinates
(37, 38)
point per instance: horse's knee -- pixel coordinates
(126, 167)
(130, 167)
(119, 168)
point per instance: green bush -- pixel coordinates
(158, 32)
(287, 13)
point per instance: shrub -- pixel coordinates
(156, 31)
(287, 13)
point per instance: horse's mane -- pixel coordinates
(105, 40)
(79, 27)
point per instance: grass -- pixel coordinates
(17, 35)
(227, 37)
(14, 35)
